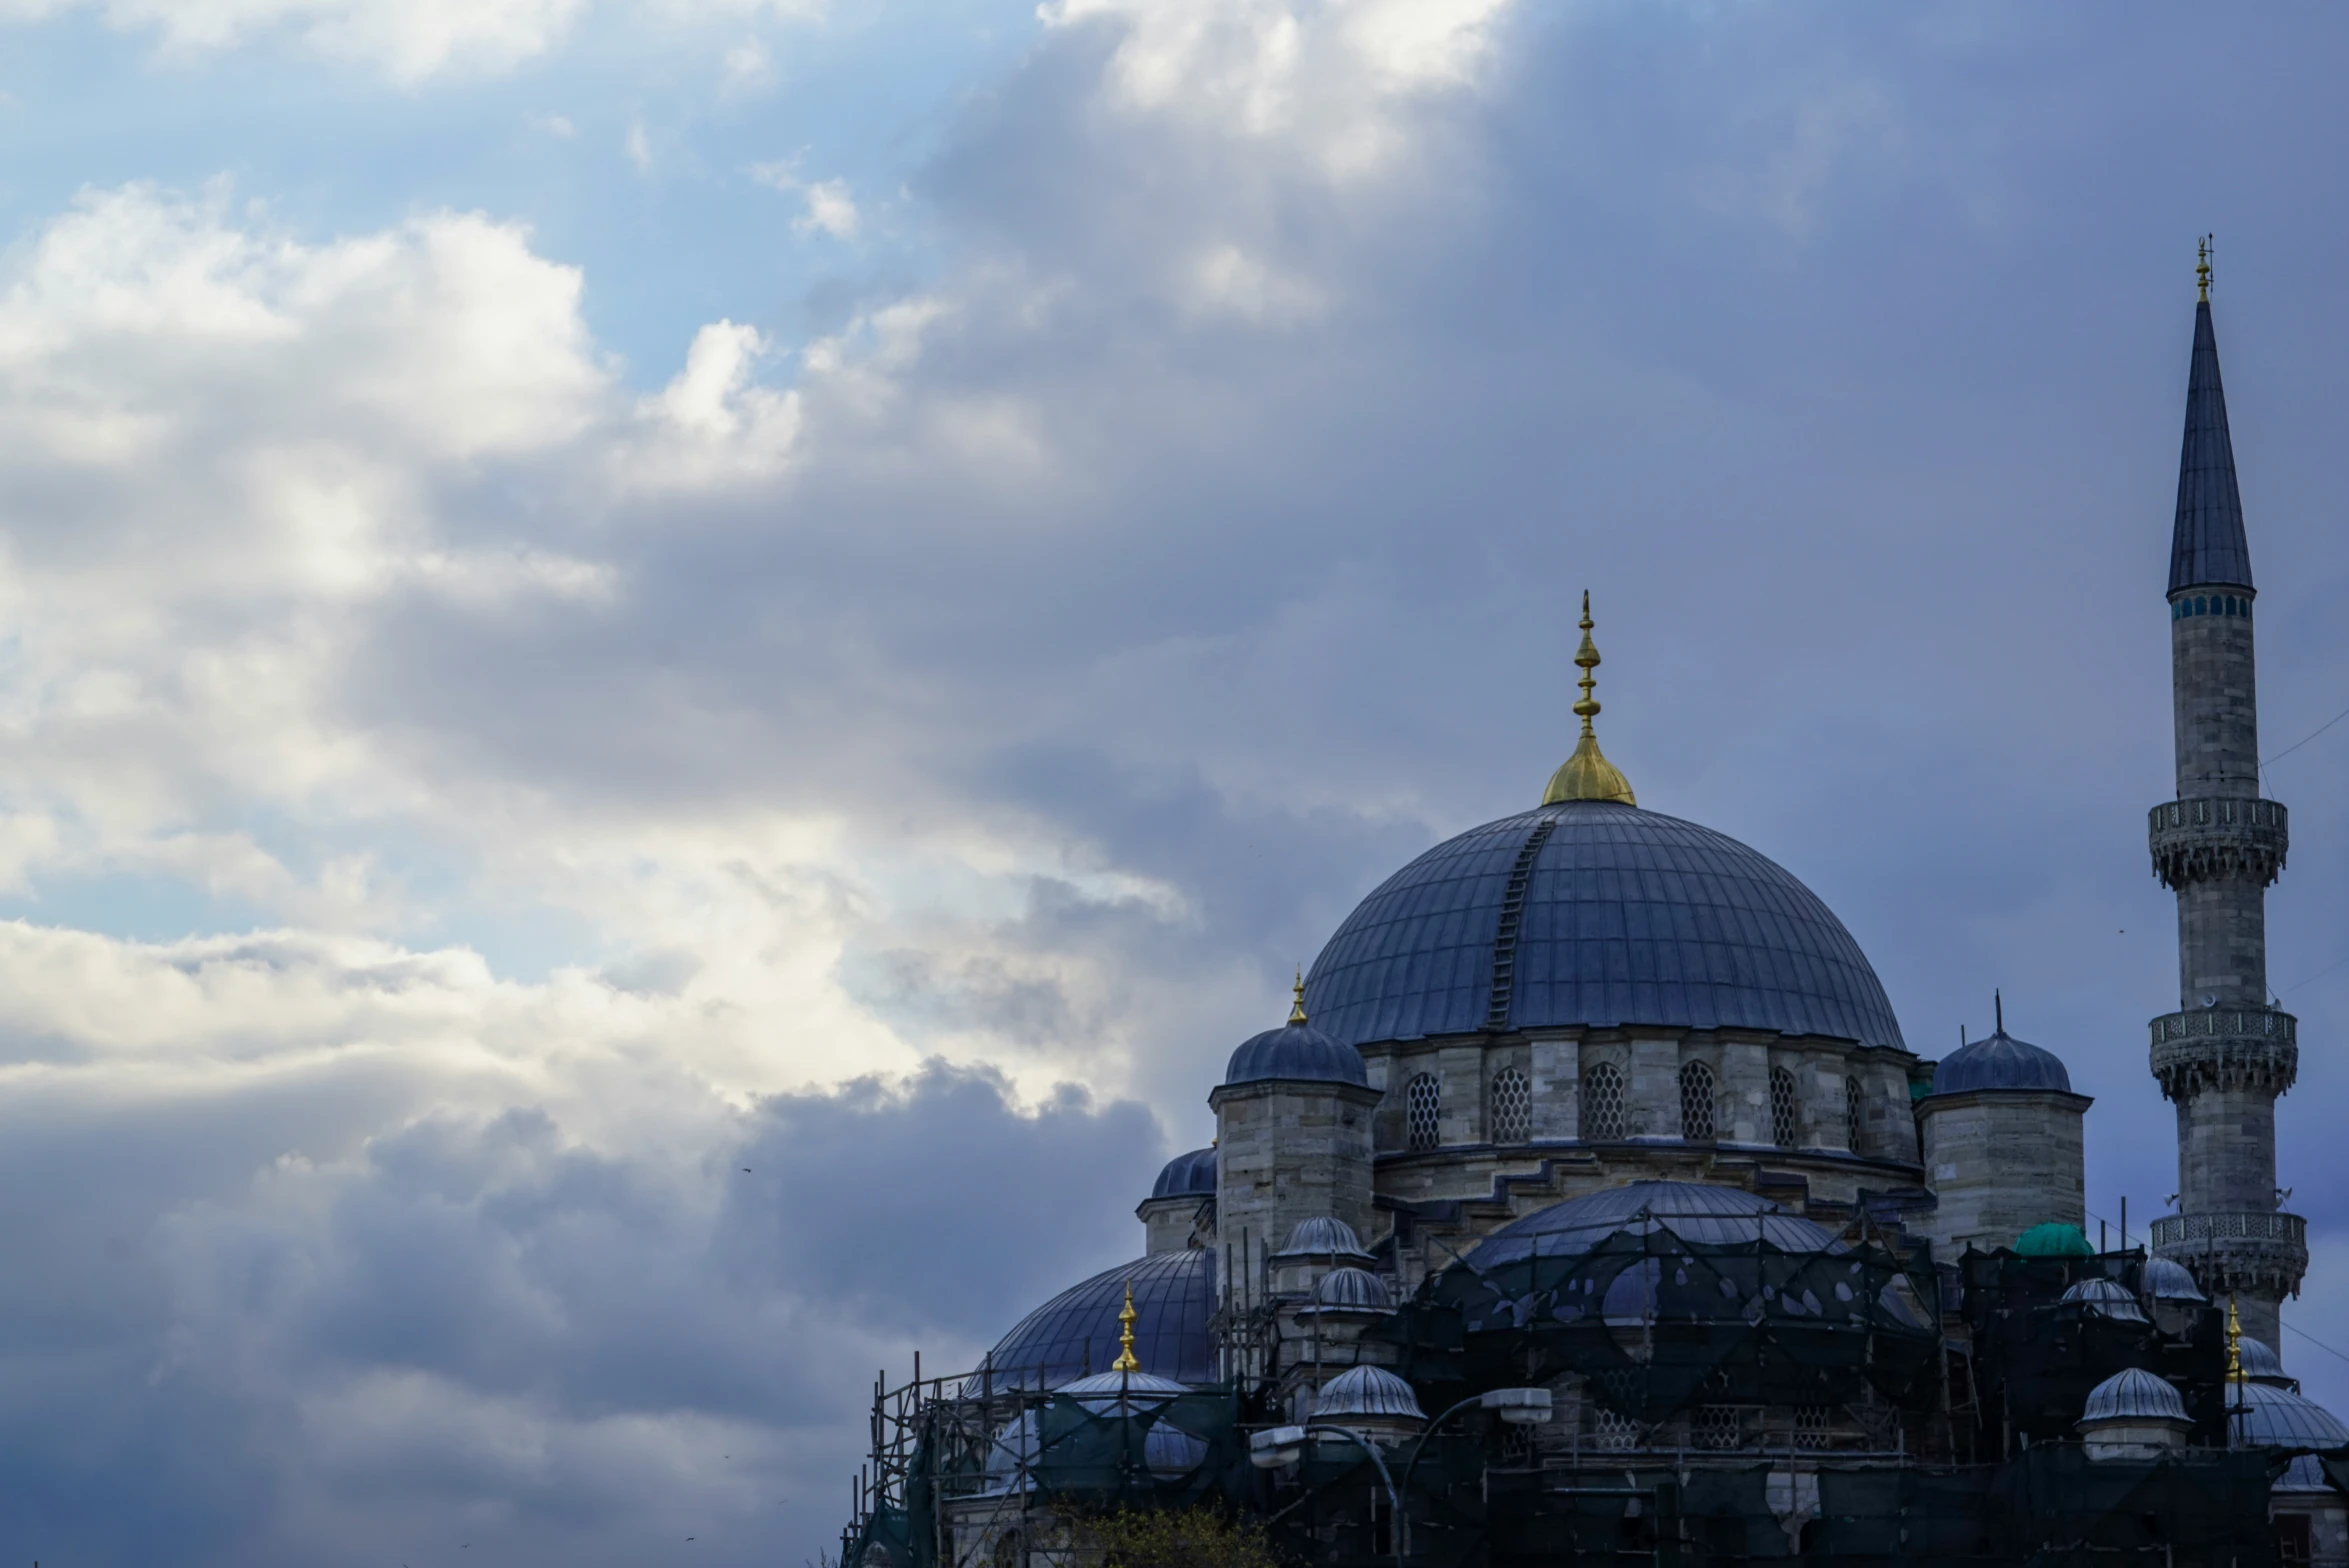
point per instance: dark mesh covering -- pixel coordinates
(1629, 917)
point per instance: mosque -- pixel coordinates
(1591, 1203)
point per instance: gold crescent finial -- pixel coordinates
(1588, 775)
(1126, 1361)
(2202, 265)
(2234, 1343)
(1297, 1008)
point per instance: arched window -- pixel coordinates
(1854, 1117)
(1423, 1106)
(1696, 1103)
(1786, 1120)
(1512, 1120)
(1602, 1102)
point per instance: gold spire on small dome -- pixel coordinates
(2234, 1344)
(1588, 775)
(1297, 1008)
(1126, 1361)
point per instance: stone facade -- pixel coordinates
(2001, 1161)
(1288, 1151)
(2226, 1055)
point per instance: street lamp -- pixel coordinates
(1517, 1406)
(1285, 1445)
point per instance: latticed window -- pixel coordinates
(1512, 1106)
(1423, 1108)
(1609, 1430)
(1696, 1102)
(1516, 1445)
(1602, 1102)
(1811, 1426)
(1854, 1117)
(1786, 1118)
(1716, 1426)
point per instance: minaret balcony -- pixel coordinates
(2250, 1252)
(2204, 837)
(2225, 1048)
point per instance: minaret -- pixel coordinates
(2226, 1056)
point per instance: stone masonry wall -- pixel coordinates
(2002, 1161)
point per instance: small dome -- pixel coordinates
(2106, 1299)
(2304, 1474)
(1323, 1236)
(1107, 1392)
(2272, 1417)
(2134, 1395)
(1353, 1290)
(1295, 1053)
(1368, 1391)
(2054, 1241)
(2000, 1062)
(1189, 1175)
(2166, 1279)
(2261, 1364)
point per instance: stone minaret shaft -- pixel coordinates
(2225, 1056)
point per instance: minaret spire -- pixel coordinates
(1588, 775)
(2207, 544)
(2226, 1055)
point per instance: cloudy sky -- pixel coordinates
(673, 671)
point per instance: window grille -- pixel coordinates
(1512, 1106)
(1854, 1119)
(1786, 1123)
(1810, 1426)
(1696, 1103)
(1716, 1426)
(1602, 1102)
(1609, 1430)
(1423, 1104)
(1516, 1447)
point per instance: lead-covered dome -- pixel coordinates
(2000, 1061)
(1076, 1332)
(1189, 1175)
(1707, 1216)
(1596, 913)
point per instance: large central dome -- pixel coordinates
(1594, 913)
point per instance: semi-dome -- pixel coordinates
(2000, 1061)
(1596, 913)
(2134, 1395)
(1189, 1175)
(1076, 1332)
(2166, 1279)
(2261, 1415)
(2107, 1298)
(1372, 1392)
(1688, 1210)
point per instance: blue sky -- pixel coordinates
(593, 594)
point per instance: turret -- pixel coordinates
(2003, 1144)
(2226, 1055)
(1293, 1121)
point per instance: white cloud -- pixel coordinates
(830, 210)
(1333, 75)
(638, 147)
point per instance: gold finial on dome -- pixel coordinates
(1297, 1008)
(1588, 775)
(2234, 1344)
(1126, 1361)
